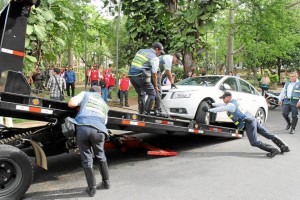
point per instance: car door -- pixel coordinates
(249, 98)
(231, 84)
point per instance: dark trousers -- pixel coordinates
(94, 83)
(38, 86)
(287, 108)
(141, 87)
(72, 85)
(157, 99)
(252, 128)
(125, 95)
(90, 138)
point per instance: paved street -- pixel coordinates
(206, 168)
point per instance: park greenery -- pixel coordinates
(211, 34)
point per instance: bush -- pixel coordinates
(274, 78)
(258, 77)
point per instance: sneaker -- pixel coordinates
(121, 106)
(292, 131)
(127, 105)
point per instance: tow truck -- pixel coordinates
(18, 144)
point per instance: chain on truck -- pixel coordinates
(18, 144)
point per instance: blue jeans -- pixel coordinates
(252, 128)
(104, 94)
(125, 94)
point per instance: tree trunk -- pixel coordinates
(229, 61)
(70, 56)
(188, 63)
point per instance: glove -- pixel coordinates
(205, 109)
(209, 103)
(173, 86)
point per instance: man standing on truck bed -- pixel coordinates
(91, 133)
(144, 65)
(242, 118)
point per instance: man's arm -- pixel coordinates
(75, 101)
(155, 64)
(169, 75)
(282, 94)
(230, 107)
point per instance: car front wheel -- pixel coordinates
(201, 116)
(260, 116)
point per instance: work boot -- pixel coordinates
(283, 147)
(288, 120)
(269, 148)
(91, 181)
(293, 125)
(105, 176)
(141, 107)
(148, 105)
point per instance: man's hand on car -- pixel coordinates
(173, 86)
(209, 103)
(205, 109)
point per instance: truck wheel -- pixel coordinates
(201, 116)
(16, 172)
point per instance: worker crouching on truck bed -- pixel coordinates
(242, 119)
(91, 133)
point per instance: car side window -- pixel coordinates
(253, 91)
(245, 87)
(232, 83)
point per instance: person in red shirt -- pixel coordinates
(112, 82)
(104, 82)
(94, 77)
(124, 84)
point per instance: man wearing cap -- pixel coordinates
(165, 66)
(145, 65)
(242, 119)
(91, 133)
(56, 85)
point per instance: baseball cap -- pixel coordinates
(95, 88)
(226, 94)
(159, 46)
(179, 58)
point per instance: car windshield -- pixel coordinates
(208, 81)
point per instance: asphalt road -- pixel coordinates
(206, 168)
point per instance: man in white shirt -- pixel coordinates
(289, 100)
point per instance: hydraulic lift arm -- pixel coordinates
(13, 22)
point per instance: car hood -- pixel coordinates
(185, 88)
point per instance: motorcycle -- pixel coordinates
(272, 100)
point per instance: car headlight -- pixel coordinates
(179, 95)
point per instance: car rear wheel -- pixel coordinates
(201, 116)
(260, 115)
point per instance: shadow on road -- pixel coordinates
(74, 194)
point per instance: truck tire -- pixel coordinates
(201, 116)
(16, 172)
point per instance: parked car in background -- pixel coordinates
(193, 93)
